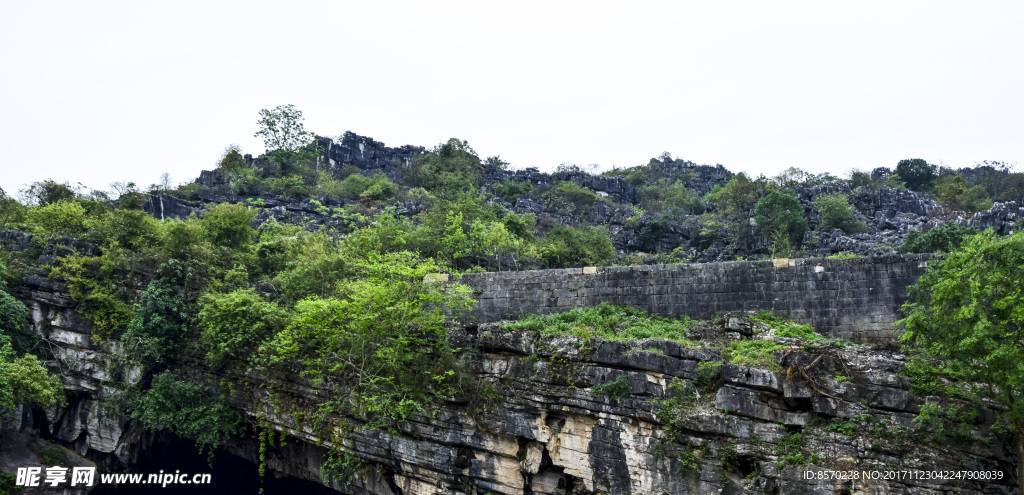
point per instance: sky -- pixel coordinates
(103, 91)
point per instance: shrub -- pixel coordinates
(97, 284)
(608, 322)
(565, 246)
(227, 225)
(512, 190)
(232, 159)
(132, 229)
(59, 217)
(837, 213)
(942, 238)
(917, 173)
(165, 307)
(292, 186)
(781, 212)
(953, 190)
(451, 167)
(186, 408)
(235, 324)
(24, 380)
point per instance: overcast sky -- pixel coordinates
(102, 91)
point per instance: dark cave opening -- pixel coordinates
(230, 473)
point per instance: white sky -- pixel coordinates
(105, 91)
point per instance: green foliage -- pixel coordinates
(377, 188)
(290, 185)
(235, 324)
(837, 213)
(947, 421)
(131, 229)
(284, 134)
(164, 309)
(843, 255)
(917, 173)
(50, 191)
(654, 228)
(58, 217)
(14, 318)
(227, 225)
(340, 466)
(512, 190)
(967, 312)
(615, 389)
(232, 159)
(97, 283)
(382, 338)
(608, 322)
(520, 226)
(11, 211)
(736, 198)
(565, 246)
(185, 408)
(671, 198)
(569, 198)
(450, 168)
(953, 190)
(780, 211)
(785, 327)
(754, 353)
(24, 380)
(942, 238)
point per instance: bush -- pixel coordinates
(608, 322)
(235, 324)
(227, 225)
(165, 307)
(940, 239)
(185, 408)
(24, 380)
(917, 173)
(132, 229)
(292, 186)
(565, 247)
(780, 212)
(512, 190)
(232, 159)
(59, 217)
(837, 213)
(451, 167)
(953, 190)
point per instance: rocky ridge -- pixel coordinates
(888, 213)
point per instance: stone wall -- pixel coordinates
(853, 299)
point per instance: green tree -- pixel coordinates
(953, 190)
(966, 313)
(917, 173)
(228, 225)
(780, 211)
(284, 134)
(451, 167)
(565, 246)
(232, 159)
(837, 213)
(235, 324)
(938, 239)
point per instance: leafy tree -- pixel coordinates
(381, 339)
(953, 189)
(837, 213)
(49, 191)
(451, 167)
(940, 239)
(24, 380)
(565, 246)
(917, 173)
(235, 324)
(284, 134)
(14, 318)
(164, 309)
(228, 225)
(966, 314)
(232, 159)
(186, 408)
(59, 217)
(11, 211)
(780, 211)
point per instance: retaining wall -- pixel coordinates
(853, 299)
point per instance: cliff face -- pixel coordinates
(571, 416)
